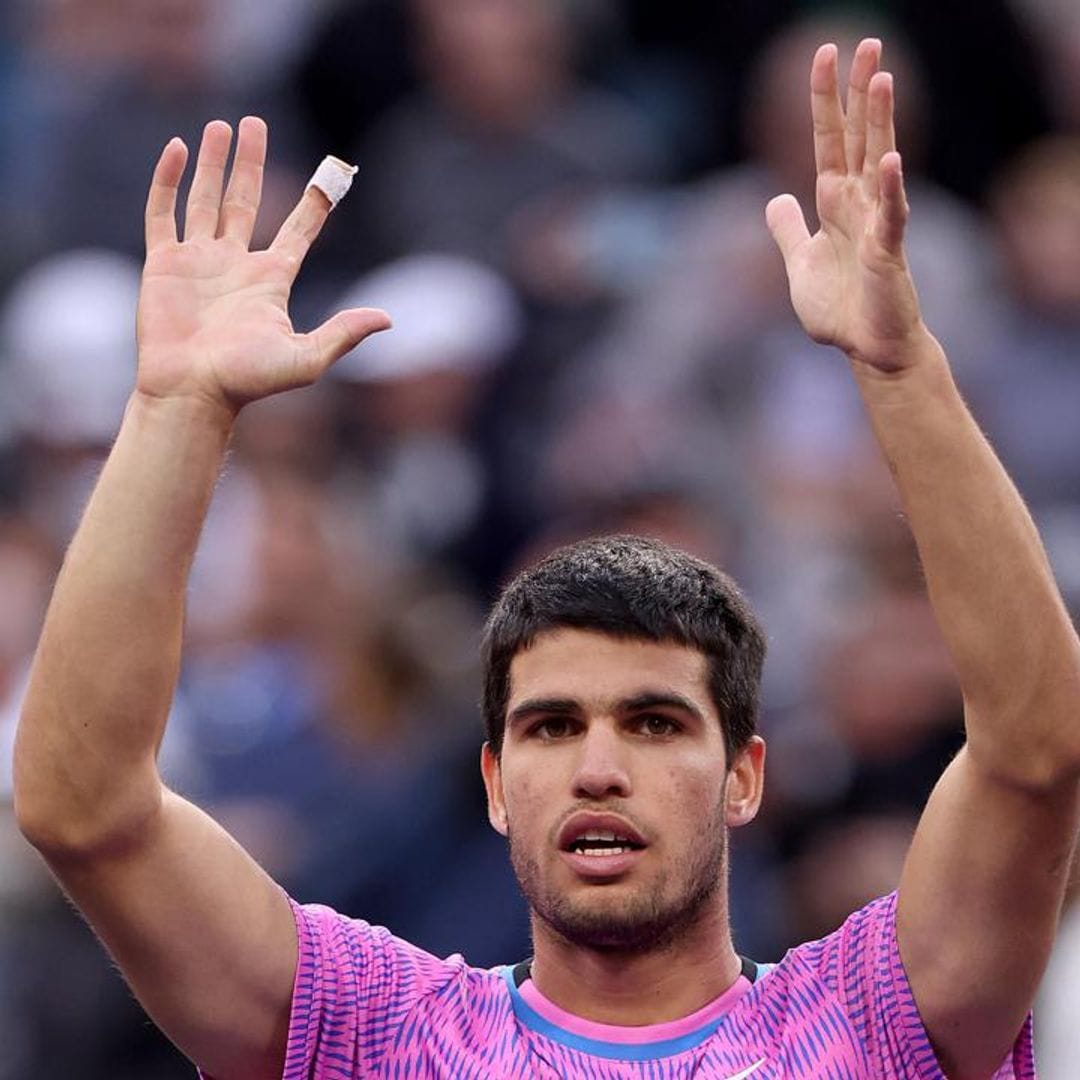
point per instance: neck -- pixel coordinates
(640, 987)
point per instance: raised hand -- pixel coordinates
(213, 317)
(849, 282)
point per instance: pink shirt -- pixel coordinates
(367, 1004)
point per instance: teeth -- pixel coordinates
(603, 851)
(593, 834)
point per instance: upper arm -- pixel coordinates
(978, 908)
(204, 937)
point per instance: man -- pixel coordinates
(620, 698)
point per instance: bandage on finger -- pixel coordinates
(333, 178)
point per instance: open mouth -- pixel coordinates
(600, 844)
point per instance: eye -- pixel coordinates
(551, 728)
(657, 724)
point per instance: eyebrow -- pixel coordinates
(542, 706)
(648, 699)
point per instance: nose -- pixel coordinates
(601, 769)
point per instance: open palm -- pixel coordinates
(849, 282)
(213, 316)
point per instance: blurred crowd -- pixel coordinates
(561, 204)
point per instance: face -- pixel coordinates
(613, 791)
(499, 63)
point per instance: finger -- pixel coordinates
(880, 133)
(866, 61)
(299, 230)
(785, 219)
(337, 336)
(161, 200)
(827, 112)
(240, 206)
(892, 212)
(204, 199)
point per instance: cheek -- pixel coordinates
(524, 797)
(691, 795)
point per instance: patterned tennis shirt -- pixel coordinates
(367, 1004)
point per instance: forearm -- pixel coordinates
(106, 666)
(991, 586)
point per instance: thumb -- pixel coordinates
(339, 334)
(785, 219)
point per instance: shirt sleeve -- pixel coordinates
(355, 987)
(863, 960)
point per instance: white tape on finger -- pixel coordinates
(333, 178)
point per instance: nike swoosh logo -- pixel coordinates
(746, 1072)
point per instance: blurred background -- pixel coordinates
(561, 203)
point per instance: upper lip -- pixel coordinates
(585, 821)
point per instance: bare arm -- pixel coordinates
(204, 937)
(984, 881)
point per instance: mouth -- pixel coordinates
(600, 846)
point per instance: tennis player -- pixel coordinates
(620, 698)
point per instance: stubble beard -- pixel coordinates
(643, 919)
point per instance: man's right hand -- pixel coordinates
(213, 316)
(204, 937)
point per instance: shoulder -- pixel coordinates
(868, 934)
(860, 964)
(858, 971)
(329, 939)
(361, 991)
(828, 960)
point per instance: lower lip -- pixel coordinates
(601, 867)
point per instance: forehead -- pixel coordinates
(589, 665)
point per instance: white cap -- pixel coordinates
(449, 312)
(67, 342)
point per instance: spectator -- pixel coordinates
(1030, 409)
(501, 122)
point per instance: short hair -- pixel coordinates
(639, 589)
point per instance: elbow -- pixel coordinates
(1033, 742)
(34, 811)
(49, 835)
(72, 837)
(89, 817)
(1035, 765)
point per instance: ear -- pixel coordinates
(492, 772)
(745, 783)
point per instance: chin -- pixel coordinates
(635, 913)
(614, 921)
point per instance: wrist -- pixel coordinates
(198, 412)
(899, 358)
(922, 376)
